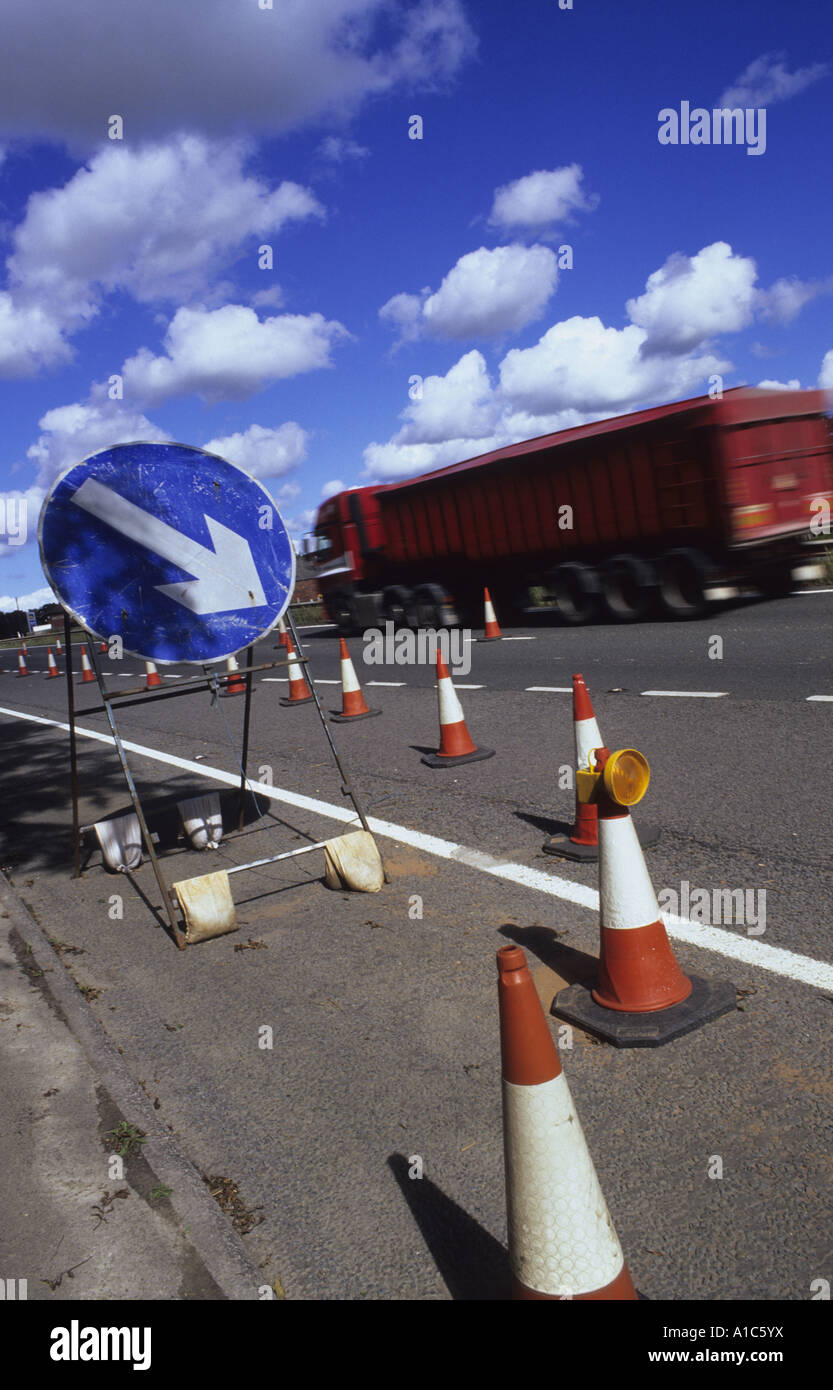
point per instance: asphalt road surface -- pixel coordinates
(713, 1152)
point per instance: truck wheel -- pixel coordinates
(629, 586)
(683, 577)
(340, 607)
(577, 591)
(432, 608)
(776, 582)
(398, 607)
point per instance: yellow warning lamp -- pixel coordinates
(624, 775)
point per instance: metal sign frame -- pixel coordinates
(210, 680)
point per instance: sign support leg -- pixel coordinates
(73, 751)
(346, 787)
(244, 761)
(137, 805)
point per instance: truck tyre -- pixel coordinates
(431, 610)
(776, 582)
(683, 577)
(398, 607)
(341, 611)
(629, 586)
(577, 591)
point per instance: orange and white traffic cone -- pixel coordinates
(52, 665)
(283, 638)
(493, 632)
(456, 745)
(103, 649)
(641, 997)
(87, 672)
(582, 841)
(58, 646)
(562, 1244)
(235, 684)
(299, 691)
(152, 676)
(353, 705)
(22, 668)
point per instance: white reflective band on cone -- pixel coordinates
(490, 612)
(626, 894)
(561, 1237)
(451, 711)
(295, 672)
(349, 683)
(587, 738)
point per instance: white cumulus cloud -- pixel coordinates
(70, 433)
(541, 201)
(227, 354)
(694, 297)
(263, 451)
(826, 372)
(485, 294)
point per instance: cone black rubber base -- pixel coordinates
(709, 999)
(562, 846)
(285, 700)
(351, 718)
(434, 759)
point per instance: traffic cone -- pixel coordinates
(353, 705)
(52, 667)
(87, 672)
(152, 676)
(299, 691)
(641, 997)
(59, 647)
(582, 841)
(493, 632)
(283, 639)
(456, 745)
(103, 649)
(235, 684)
(22, 668)
(562, 1244)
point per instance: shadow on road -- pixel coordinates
(472, 1263)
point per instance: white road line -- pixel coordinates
(276, 680)
(520, 639)
(805, 969)
(820, 697)
(391, 685)
(458, 686)
(318, 681)
(796, 592)
(554, 689)
(689, 694)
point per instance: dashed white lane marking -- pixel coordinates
(458, 686)
(276, 680)
(820, 697)
(553, 689)
(689, 694)
(805, 969)
(391, 685)
(520, 639)
(795, 592)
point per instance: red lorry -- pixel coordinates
(662, 509)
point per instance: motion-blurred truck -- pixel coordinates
(662, 510)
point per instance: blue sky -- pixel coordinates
(133, 304)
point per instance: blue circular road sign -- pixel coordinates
(177, 552)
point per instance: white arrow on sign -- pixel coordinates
(225, 577)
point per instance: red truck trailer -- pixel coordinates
(662, 509)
